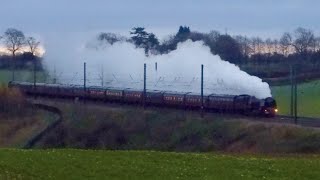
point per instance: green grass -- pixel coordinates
(89, 164)
(308, 99)
(20, 75)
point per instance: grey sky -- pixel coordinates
(252, 17)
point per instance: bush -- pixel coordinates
(130, 128)
(12, 102)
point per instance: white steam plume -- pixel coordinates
(121, 65)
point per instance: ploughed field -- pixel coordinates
(91, 164)
(308, 99)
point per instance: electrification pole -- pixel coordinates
(55, 75)
(34, 73)
(13, 67)
(85, 80)
(295, 96)
(292, 92)
(144, 85)
(84, 76)
(156, 66)
(102, 76)
(202, 108)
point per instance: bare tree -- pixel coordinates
(316, 44)
(285, 43)
(33, 44)
(14, 41)
(33, 47)
(275, 44)
(248, 49)
(213, 35)
(257, 45)
(304, 39)
(269, 46)
(244, 43)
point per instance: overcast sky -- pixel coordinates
(251, 17)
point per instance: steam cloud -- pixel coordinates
(121, 65)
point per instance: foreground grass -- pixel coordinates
(85, 164)
(308, 99)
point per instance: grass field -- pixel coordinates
(20, 75)
(308, 99)
(89, 164)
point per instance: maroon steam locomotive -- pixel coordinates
(222, 103)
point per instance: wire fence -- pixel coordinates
(163, 83)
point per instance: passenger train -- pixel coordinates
(245, 104)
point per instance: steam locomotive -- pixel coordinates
(222, 103)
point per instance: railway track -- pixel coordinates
(302, 121)
(279, 119)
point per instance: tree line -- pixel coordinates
(301, 47)
(22, 50)
(290, 47)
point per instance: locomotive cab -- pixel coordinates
(269, 107)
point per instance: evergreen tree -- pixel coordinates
(140, 36)
(183, 34)
(153, 41)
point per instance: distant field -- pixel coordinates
(89, 164)
(20, 75)
(308, 99)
